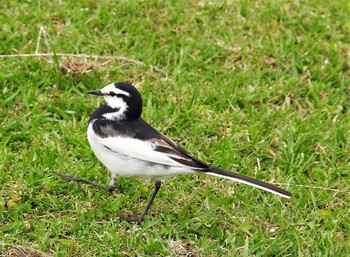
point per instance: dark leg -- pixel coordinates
(67, 178)
(157, 185)
(141, 218)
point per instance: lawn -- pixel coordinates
(257, 87)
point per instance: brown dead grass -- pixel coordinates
(20, 251)
(180, 248)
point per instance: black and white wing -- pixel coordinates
(140, 141)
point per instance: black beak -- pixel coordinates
(95, 92)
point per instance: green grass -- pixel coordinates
(258, 87)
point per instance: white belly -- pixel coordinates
(125, 166)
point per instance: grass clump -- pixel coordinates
(257, 87)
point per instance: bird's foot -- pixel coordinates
(135, 219)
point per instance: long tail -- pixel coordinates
(249, 181)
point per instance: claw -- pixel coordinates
(137, 219)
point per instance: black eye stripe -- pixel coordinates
(122, 96)
(118, 95)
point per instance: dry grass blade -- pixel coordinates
(20, 251)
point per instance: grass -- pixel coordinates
(260, 87)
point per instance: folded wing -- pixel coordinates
(158, 150)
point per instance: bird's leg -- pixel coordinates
(141, 218)
(157, 185)
(113, 183)
(67, 178)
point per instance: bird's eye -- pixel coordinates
(112, 93)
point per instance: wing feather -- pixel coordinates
(137, 139)
(156, 150)
(175, 152)
(138, 149)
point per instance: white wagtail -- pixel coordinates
(130, 147)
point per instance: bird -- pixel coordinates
(130, 147)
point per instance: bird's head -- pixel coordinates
(124, 100)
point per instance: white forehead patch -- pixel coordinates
(111, 88)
